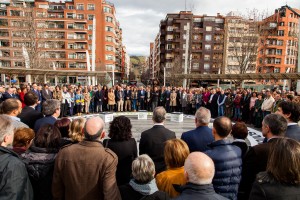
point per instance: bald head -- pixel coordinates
(94, 127)
(222, 127)
(199, 168)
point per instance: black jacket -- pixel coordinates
(128, 193)
(255, 161)
(29, 116)
(267, 188)
(40, 166)
(14, 181)
(192, 191)
(153, 143)
(293, 131)
(126, 151)
(45, 120)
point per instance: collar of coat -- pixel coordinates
(205, 189)
(220, 143)
(4, 150)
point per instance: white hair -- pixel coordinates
(203, 115)
(7, 127)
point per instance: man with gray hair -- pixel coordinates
(86, 170)
(153, 140)
(199, 138)
(199, 172)
(14, 181)
(273, 126)
(51, 110)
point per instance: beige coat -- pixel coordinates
(173, 96)
(111, 98)
(85, 171)
(57, 95)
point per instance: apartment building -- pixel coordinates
(73, 35)
(201, 36)
(240, 44)
(278, 43)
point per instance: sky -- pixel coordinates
(140, 19)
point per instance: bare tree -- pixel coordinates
(176, 68)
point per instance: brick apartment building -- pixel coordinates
(44, 34)
(278, 44)
(205, 44)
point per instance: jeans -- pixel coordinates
(221, 110)
(237, 113)
(134, 104)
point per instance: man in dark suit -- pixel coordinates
(127, 97)
(46, 93)
(8, 94)
(51, 110)
(98, 99)
(291, 112)
(38, 93)
(255, 161)
(153, 140)
(167, 95)
(29, 115)
(199, 138)
(141, 98)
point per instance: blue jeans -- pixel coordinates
(134, 104)
(221, 110)
(237, 113)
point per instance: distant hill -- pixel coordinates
(137, 61)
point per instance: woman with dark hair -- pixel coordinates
(281, 180)
(105, 98)
(239, 133)
(122, 143)
(40, 158)
(258, 114)
(63, 126)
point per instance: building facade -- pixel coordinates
(278, 44)
(74, 35)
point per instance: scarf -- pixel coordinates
(144, 189)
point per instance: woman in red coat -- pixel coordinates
(22, 94)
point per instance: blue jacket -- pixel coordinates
(198, 139)
(228, 167)
(41, 122)
(293, 131)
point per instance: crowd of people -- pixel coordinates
(45, 155)
(247, 105)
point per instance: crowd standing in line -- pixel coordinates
(44, 155)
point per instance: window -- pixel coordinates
(281, 33)
(208, 38)
(278, 51)
(80, 16)
(276, 70)
(195, 65)
(71, 7)
(277, 61)
(109, 39)
(70, 26)
(279, 42)
(109, 57)
(184, 46)
(70, 15)
(169, 46)
(90, 27)
(109, 48)
(208, 28)
(80, 7)
(90, 47)
(109, 19)
(170, 28)
(90, 17)
(207, 47)
(70, 36)
(90, 37)
(206, 66)
(72, 55)
(91, 7)
(18, 64)
(109, 29)
(107, 9)
(71, 46)
(206, 57)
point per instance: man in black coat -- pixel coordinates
(14, 181)
(199, 172)
(291, 112)
(153, 140)
(255, 161)
(98, 99)
(29, 115)
(127, 97)
(46, 93)
(8, 94)
(154, 98)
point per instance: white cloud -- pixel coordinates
(140, 19)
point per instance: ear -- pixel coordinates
(102, 135)
(186, 176)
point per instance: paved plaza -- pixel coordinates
(139, 125)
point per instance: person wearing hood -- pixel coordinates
(40, 159)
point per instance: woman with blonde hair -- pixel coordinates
(175, 152)
(75, 130)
